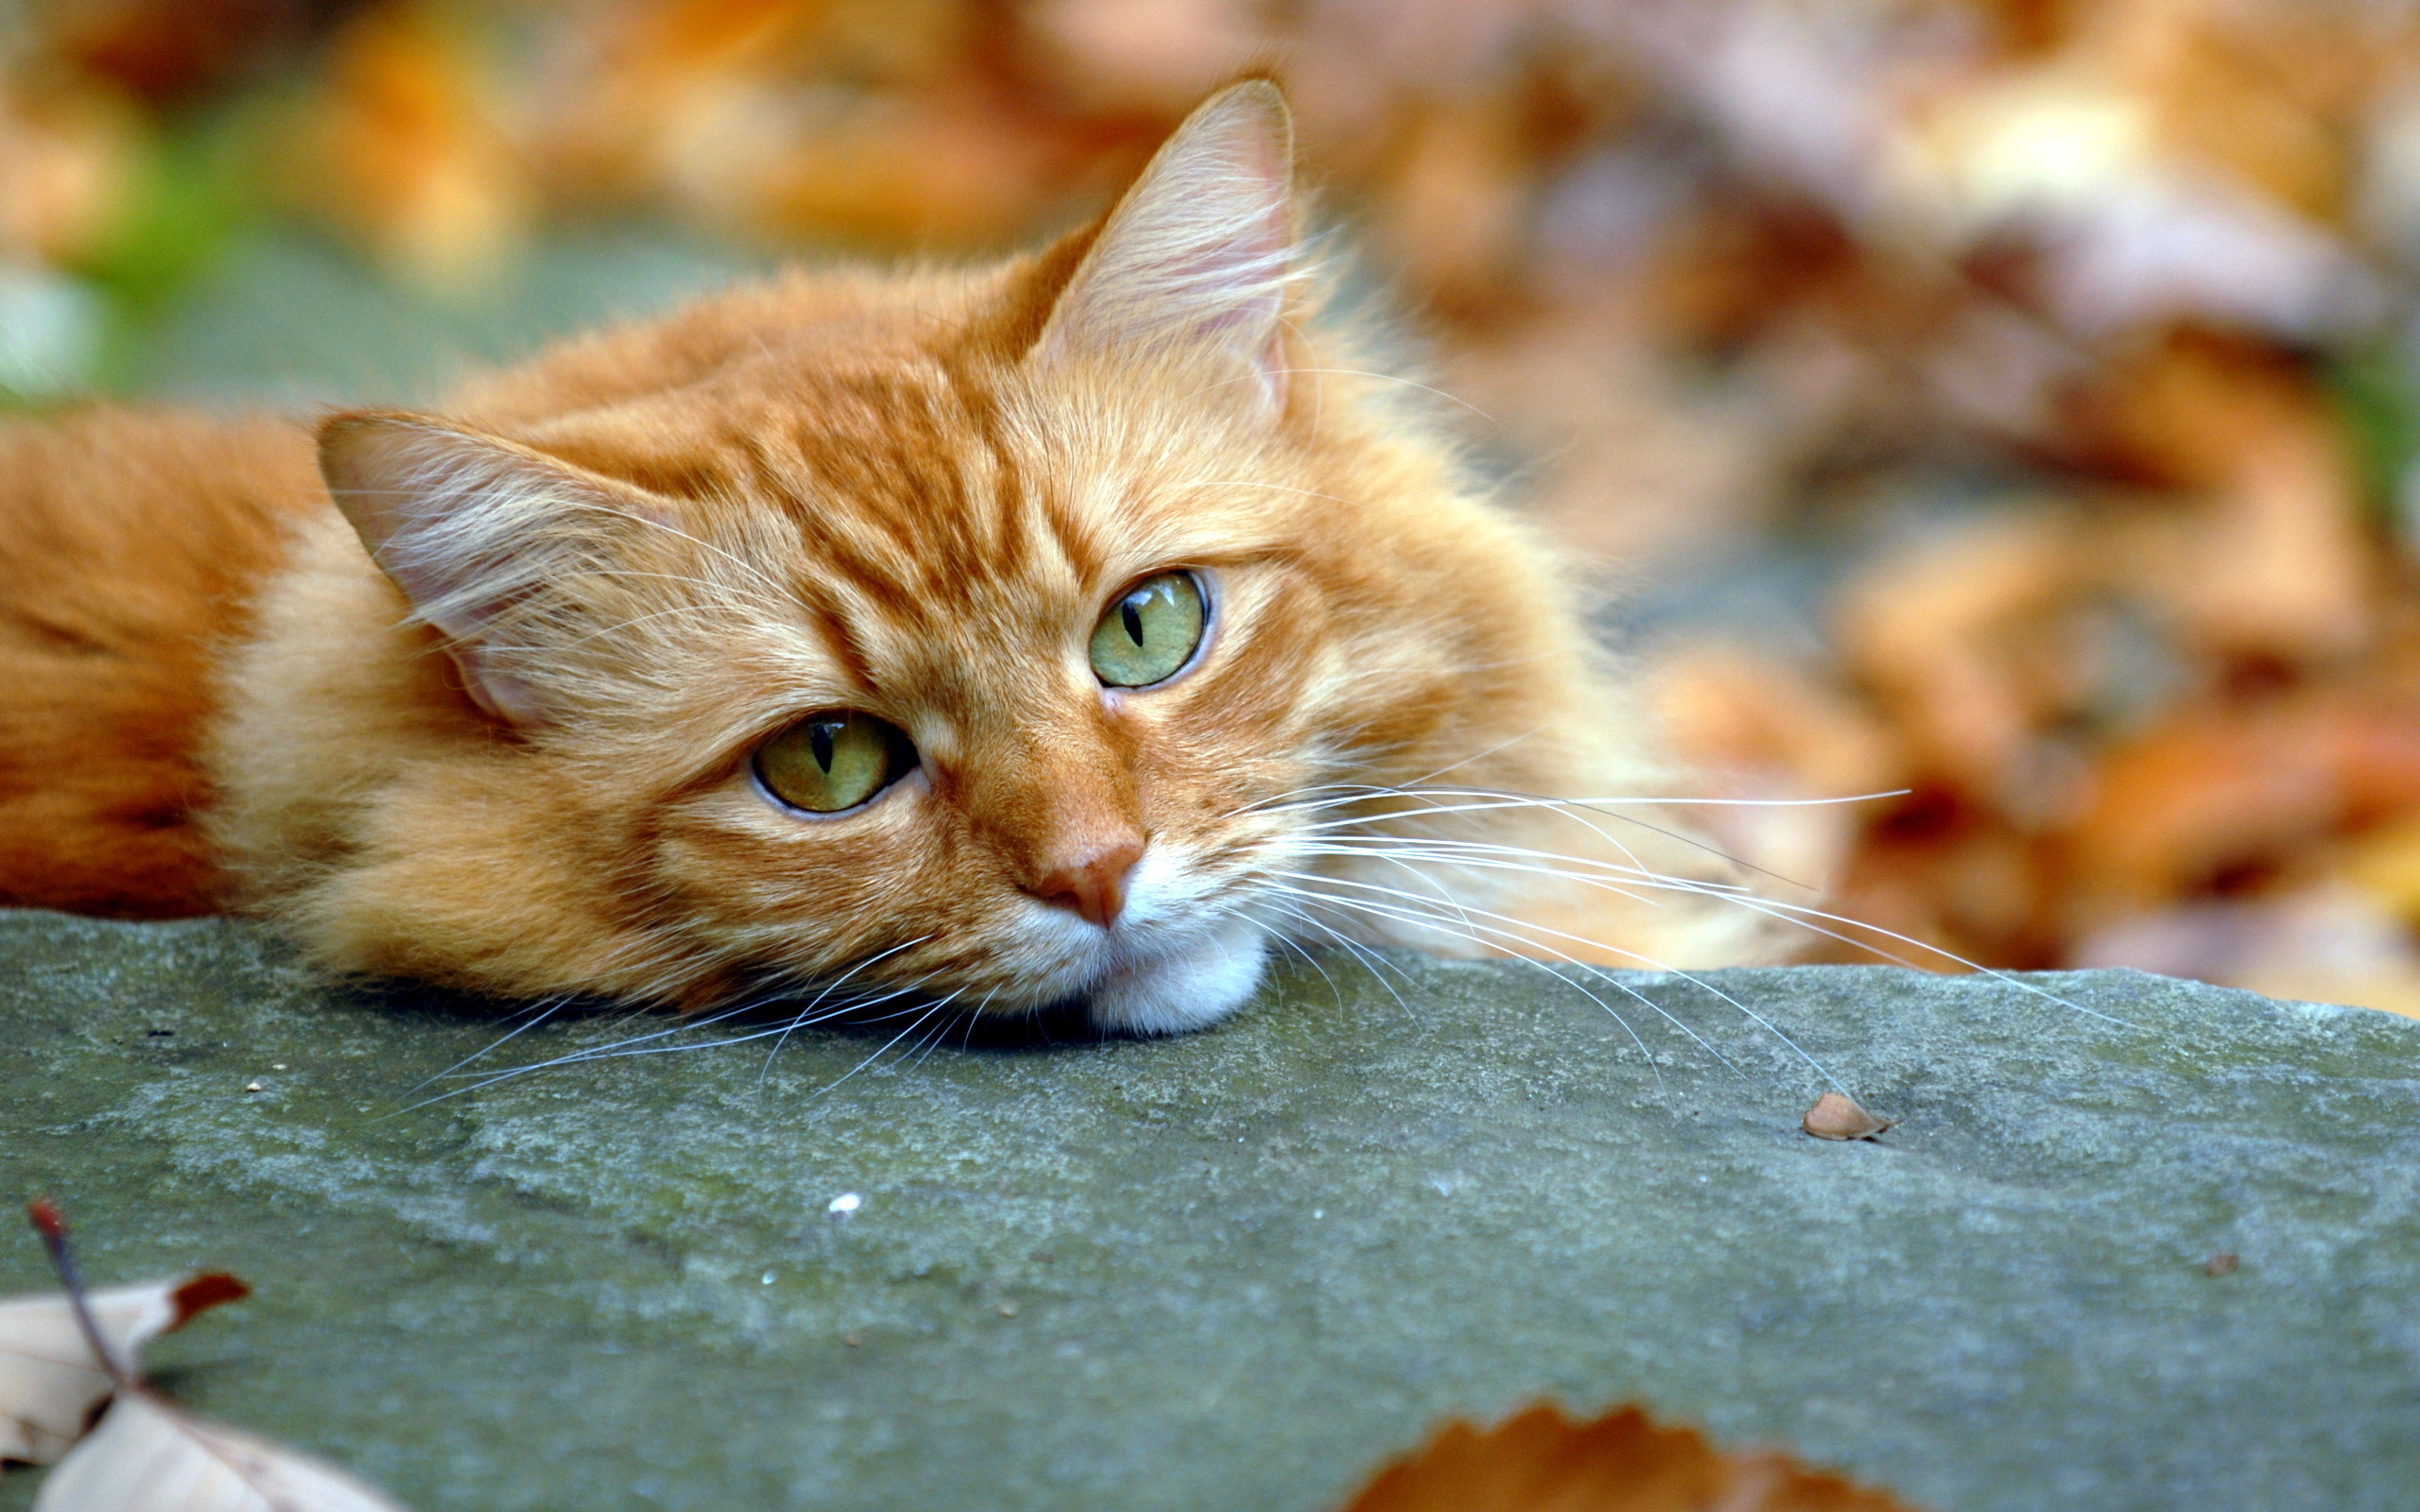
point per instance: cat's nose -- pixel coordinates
(1093, 882)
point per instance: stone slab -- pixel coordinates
(1237, 1270)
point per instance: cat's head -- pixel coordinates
(1005, 638)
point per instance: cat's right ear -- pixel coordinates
(489, 541)
(1197, 257)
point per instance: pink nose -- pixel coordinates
(1094, 886)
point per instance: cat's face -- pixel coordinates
(996, 668)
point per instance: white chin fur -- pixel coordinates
(1186, 991)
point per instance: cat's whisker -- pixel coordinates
(1481, 856)
(1416, 874)
(1485, 801)
(1529, 932)
(972, 1015)
(826, 991)
(646, 1043)
(1800, 915)
(1283, 941)
(1375, 964)
(1803, 916)
(1495, 939)
(485, 1079)
(1366, 792)
(1500, 746)
(534, 1015)
(1437, 809)
(879, 1053)
(481, 1080)
(1444, 926)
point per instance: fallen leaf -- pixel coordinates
(1836, 1116)
(403, 150)
(146, 1456)
(49, 1382)
(1541, 1461)
(2320, 944)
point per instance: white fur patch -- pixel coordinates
(1191, 989)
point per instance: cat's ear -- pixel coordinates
(1200, 253)
(490, 541)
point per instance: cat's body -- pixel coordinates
(530, 756)
(131, 545)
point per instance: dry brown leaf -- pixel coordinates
(2328, 943)
(2218, 789)
(881, 168)
(2273, 561)
(49, 1382)
(1941, 628)
(407, 152)
(1146, 55)
(1541, 1461)
(1836, 1116)
(146, 1456)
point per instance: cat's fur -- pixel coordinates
(516, 760)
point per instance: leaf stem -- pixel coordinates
(52, 1224)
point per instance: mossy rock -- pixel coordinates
(1239, 1269)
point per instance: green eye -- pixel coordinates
(829, 762)
(1149, 632)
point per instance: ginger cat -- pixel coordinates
(1071, 630)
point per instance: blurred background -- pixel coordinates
(2015, 402)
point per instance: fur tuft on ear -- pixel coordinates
(490, 542)
(1200, 253)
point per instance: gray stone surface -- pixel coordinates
(1236, 1270)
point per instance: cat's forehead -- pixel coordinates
(924, 479)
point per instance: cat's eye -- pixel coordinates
(1150, 632)
(832, 761)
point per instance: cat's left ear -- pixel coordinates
(1198, 256)
(510, 554)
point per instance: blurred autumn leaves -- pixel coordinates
(2012, 401)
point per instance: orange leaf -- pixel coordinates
(1540, 1461)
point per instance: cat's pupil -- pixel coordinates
(1133, 614)
(819, 739)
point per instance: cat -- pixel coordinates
(1072, 631)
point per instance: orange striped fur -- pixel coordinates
(129, 545)
(517, 759)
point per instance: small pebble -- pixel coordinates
(1838, 1117)
(277, 1065)
(1008, 1309)
(845, 1202)
(251, 1086)
(2221, 1263)
(854, 1337)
